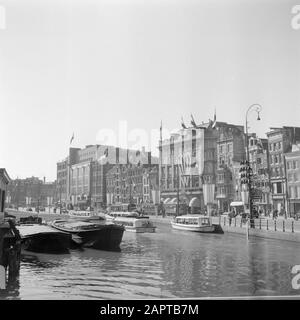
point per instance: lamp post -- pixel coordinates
(256, 107)
(178, 185)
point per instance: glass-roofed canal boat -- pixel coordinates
(195, 223)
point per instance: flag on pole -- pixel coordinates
(182, 124)
(215, 120)
(160, 130)
(193, 121)
(105, 154)
(72, 138)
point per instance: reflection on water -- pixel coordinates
(166, 264)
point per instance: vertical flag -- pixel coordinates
(193, 121)
(182, 123)
(72, 138)
(215, 120)
(105, 154)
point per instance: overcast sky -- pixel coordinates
(83, 66)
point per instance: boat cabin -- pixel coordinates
(193, 220)
(123, 207)
(126, 214)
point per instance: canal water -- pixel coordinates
(166, 264)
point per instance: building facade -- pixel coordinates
(280, 141)
(259, 162)
(31, 192)
(4, 181)
(87, 168)
(188, 159)
(292, 160)
(61, 182)
(132, 184)
(230, 152)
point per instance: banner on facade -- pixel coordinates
(245, 196)
(208, 193)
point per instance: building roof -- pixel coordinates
(4, 174)
(292, 154)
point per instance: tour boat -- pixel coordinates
(99, 234)
(132, 221)
(196, 223)
(43, 239)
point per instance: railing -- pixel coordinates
(279, 225)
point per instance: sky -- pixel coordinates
(111, 71)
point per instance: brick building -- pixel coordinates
(230, 152)
(187, 160)
(292, 160)
(85, 170)
(132, 184)
(259, 162)
(31, 192)
(280, 141)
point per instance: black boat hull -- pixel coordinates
(47, 243)
(102, 237)
(109, 237)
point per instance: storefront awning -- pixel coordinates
(236, 204)
(195, 202)
(174, 200)
(166, 200)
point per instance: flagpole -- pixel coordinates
(68, 191)
(160, 157)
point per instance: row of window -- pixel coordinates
(277, 172)
(292, 164)
(293, 177)
(276, 146)
(222, 161)
(294, 192)
(274, 159)
(225, 148)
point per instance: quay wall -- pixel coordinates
(44, 215)
(280, 229)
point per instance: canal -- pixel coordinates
(166, 264)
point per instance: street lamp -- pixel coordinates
(257, 108)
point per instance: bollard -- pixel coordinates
(283, 226)
(267, 224)
(275, 225)
(235, 222)
(292, 226)
(224, 221)
(260, 224)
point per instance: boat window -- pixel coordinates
(126, 223)
(187, 220)
(205, 221)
